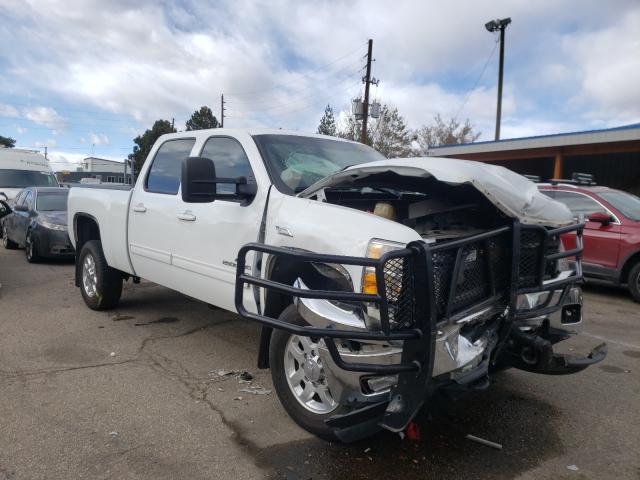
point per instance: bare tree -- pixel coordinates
(450, 132)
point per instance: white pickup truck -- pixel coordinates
(378, 282)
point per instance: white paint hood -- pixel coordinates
(512, 193)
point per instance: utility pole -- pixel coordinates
(367, 82)
(222, 111)
(495, 26)
(45, 152)
(172, 119)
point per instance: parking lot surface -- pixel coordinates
(142, 392)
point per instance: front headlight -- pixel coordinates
(53, 226)
(376, 249)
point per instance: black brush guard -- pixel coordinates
(426, 308)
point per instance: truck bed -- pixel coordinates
(108, 205)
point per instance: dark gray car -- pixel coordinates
(38, 222)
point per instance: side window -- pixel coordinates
(230, 161)
(549, 193)
(28, 201)
(579, 204)
(166, 167)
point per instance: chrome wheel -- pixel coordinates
(89, 276)
(306, 376)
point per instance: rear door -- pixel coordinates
(152, 213)
(210, 234)
(601, 242)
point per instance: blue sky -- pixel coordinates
(85, 76)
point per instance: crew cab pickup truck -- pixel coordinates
(377, 282)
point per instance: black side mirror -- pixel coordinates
(198, 180)
(199, 183)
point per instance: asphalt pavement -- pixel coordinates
(148, 391)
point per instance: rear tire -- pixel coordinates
(31, 249)
(633, 282)
(101, 285)
(281, 371)
(8, 244)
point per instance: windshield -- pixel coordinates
(52, 202)
(296, 162)
(26, 178)
(626, 203)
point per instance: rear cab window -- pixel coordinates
(166, 167)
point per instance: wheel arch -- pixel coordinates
(85, 228)
(629, 263)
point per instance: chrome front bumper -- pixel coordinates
(455, 354)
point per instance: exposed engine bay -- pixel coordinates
(436, 210)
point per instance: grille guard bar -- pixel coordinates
(425, 318)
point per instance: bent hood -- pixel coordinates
(510, 192)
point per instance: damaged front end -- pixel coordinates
(447, 314)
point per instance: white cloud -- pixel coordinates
(8, 111)
(21, 130)
(46, 116)
(50, 142)
(155, 60)
(61, 160)
(98, 139)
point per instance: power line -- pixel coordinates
(475, 84)
(276, 86)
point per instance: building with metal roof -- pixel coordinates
(612, 155)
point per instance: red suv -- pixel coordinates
(611, 234)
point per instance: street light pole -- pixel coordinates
(494, 26)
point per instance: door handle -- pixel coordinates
(139, 208)
(187, 216)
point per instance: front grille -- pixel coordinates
(531, 253)
(400, 293)
(484, 272)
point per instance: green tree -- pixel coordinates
(450, 132)
(202, 119)
(327, 123)
(7, 142)
(390, 135)
(144, 142)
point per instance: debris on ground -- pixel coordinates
(113, 434)
(238, 398)
(246, 376)
(367, 450)
(573, 468)
(222, 372)
(255, 391)
(118, 317)
(482, 441)
(112, 354)
(412, 431)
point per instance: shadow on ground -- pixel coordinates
(523, 424)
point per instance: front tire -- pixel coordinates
(8, 244)
(633, 282)
(31, 249)
(101, 285)
(299, 379)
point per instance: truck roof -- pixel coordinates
(22, 159)
(247, 131)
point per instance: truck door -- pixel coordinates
(209, 235)
(152, 213)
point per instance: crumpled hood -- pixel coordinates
(510, 192)
(57, 218)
